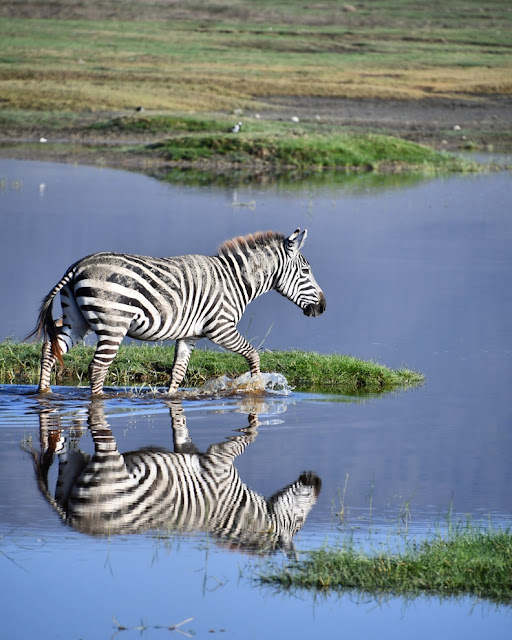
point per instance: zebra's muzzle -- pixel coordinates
(316, 309)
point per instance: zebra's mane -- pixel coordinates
(250, 242)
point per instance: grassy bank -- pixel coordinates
(151, 365)
(189, 138)
(465, 561)
(188, 142)
(304, 149)
(74, 71)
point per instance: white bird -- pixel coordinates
(237, 127)
(295, 119)
(43, 140)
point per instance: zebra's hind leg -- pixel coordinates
(106, 351)
(71, 329)
(47, 362)
(182, 352)
(67, 339)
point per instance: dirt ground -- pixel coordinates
(483, 123)
(437, 122)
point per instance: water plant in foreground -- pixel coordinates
(464, 561)
(151, 365)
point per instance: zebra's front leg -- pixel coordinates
(230, 338)
(182, 352)
(180, 435)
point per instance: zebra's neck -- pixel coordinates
(254, 270)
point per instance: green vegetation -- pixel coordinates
(465, 561)
(192, 141)
(151, 365)
(210, 56)
(77, 69)
(300, 149)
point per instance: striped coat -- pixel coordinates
(182, 491)
(182, 298)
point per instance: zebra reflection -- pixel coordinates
(180, 491)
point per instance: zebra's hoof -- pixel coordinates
(45, 390)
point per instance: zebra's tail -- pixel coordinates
(46, 327)
(42, 465)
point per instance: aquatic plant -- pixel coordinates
(465, 560)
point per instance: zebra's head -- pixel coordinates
(291, 506)
(296, 281)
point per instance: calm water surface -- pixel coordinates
(415, 274)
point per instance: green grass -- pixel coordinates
(464, 561)
(302, 148)
(184, 140)
(162, 123)
(191, 139)
(151, 365)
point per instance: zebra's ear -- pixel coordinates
(294, 243)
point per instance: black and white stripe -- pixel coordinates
(183, 298)
(181, 491)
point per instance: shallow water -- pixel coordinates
(415, 274)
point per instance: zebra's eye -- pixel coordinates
(305, 270)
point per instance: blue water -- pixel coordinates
(415, 275)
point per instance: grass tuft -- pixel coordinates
(308, 149)
(465, 561)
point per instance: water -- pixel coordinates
(415, 274)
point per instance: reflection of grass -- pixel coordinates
(151, 365)
(142, 626)
(464, 561)
(299, 180)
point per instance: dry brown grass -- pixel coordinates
(217, 56)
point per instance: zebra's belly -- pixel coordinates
(143, 328)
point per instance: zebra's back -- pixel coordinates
(150, 298)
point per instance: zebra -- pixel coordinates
(181, 298)
(183, 491)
